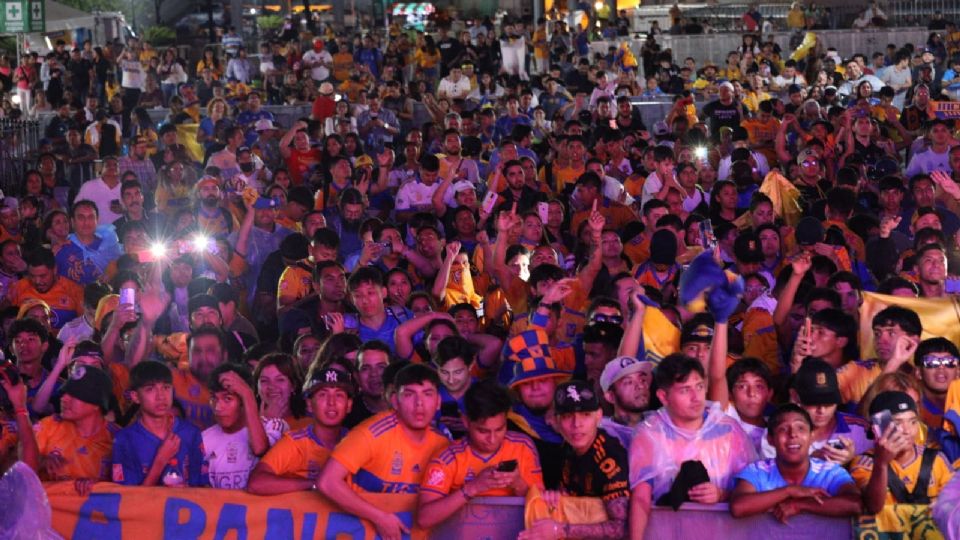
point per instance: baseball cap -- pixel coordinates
(620, 367)
(463, 185)
(746, 249)
(809, 231)
(575, 396)
(264, 203)
(893, 401)
(87, 348)
(264, 124)
(696, 331)
(198, 301)
(805, 154)
(90, 385)
(816, 383)
(327, 377)
(212, 180)
(363, 161)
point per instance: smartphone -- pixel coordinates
(708, 240)
(836, 444)
(128, 295)
(115, 206)
(489, 201)
(881, 422)
(509, 465)
(386, 248)
(543, 209)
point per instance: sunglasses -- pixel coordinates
(613, 319)
(934, 362)
(810, 164)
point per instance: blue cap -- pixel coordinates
(264, 203)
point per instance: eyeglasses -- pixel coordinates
(613, 319)
(934, 362)
(810, 164)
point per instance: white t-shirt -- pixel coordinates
(459, 89)
(228, 457)
(132, 74)
(96, 190)
(318, 72)
(415, 194)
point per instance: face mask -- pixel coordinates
(246, 167)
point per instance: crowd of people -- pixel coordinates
(471, 272)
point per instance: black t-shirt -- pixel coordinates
(450, 49)
(600, 472)
(719, 115)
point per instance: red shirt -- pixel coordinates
(299, 163)
(323, 108)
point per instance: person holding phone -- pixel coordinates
(898, 470)
(504, 463)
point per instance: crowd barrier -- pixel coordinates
(113, 512)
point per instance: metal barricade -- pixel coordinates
(19, 141)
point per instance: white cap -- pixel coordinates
(263, 124)
(620, 367)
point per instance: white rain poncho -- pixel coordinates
(659, 448)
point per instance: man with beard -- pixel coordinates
(626, 386)
(206, 350)
(131, 198)
(453, 166)
(204, 311)
(345, 220)
(212, 219)
(535, 377)
(138, 162)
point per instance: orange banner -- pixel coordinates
(114, 512)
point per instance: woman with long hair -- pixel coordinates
(211, 62)
(56, 229)
(170, 72)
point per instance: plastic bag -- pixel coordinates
(25, 513)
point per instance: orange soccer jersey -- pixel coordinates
(296, 282)
(85, 457)
(458, 464)
(383, 458)
(194, 397)
(65, 298)
(298, 454)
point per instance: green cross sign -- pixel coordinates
(13, 19)
(23, 16)
(38, 16)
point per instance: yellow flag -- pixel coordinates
(187, 136)
(940, 317)
(785, 197)
(660, 336)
